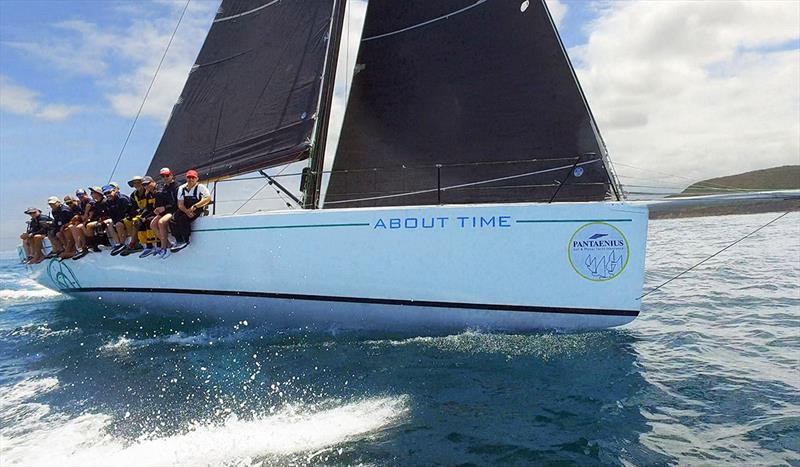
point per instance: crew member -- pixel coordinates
(78, 224)
(34, 235)
(166, 204)
(75, 219)
(193, 197)
(146, 214)
(119, 207)
(99, 218)
(61, 239)
(138, 202)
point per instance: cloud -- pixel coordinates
(142, 45)
(695, 88)
(557, 9)
(121, 59)
(23, 101)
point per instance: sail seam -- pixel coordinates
(425, 23)
(239, 15)
(453, 187)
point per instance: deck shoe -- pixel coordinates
(96, 249)
(118, 249)
(80, 255)
(179, 247)
(147, 252)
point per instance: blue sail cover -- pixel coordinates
(482, 87)
(251, 100)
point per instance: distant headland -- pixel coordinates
(777, 179)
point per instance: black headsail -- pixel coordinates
(482, 88)
(252, 98)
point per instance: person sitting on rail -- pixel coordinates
(34, 235)
(99, 219)
(146, 214)
(70, 248)
(79, 223)
(166, 204)
(119, 207)
(138, 202)
(193, 197)
(62, 215)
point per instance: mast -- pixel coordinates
(313, 179)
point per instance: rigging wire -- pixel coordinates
(462, 185)
(147, 93)
(266, 185)
(719, 185)
(708, 258)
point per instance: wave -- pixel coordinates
(294, 433)
(222, 334)
(25, 390)
(30, 291)
(34, 294)
(124, 344)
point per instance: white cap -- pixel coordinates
(53, 200)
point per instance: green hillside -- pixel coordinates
(786, 177)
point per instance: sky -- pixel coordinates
(682, 91)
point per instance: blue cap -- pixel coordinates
(79, 192)
(107, 189)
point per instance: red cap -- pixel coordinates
(192, 173)
(165, 171)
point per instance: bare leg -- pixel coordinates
(69, 243)
(154, 228)
(132, 233)
(119, 228)
(26, 244)
(161, 226)
(38, 255)
(55, 241)
(77, 234)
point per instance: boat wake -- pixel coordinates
(29, 291)
(214, 336)
(33, 434)
(541, 345)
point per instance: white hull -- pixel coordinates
(421, 269)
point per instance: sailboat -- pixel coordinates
(471, 188)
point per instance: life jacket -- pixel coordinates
(190, 199)
(139, 200)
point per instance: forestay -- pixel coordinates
(251, 100)
(482, 87)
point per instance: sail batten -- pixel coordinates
(461, 82)
(252, 98)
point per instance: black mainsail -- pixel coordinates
(252, 99)
(481, 88)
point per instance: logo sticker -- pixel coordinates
(62, 275)
(598, 251)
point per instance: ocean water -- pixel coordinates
(709, 374)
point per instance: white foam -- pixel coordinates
(293, 430)
(31, 294)
(124, 344)
(31, 291)
(25, 390)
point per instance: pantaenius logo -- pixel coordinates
(598, 251)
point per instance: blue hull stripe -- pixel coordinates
(375, 301)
